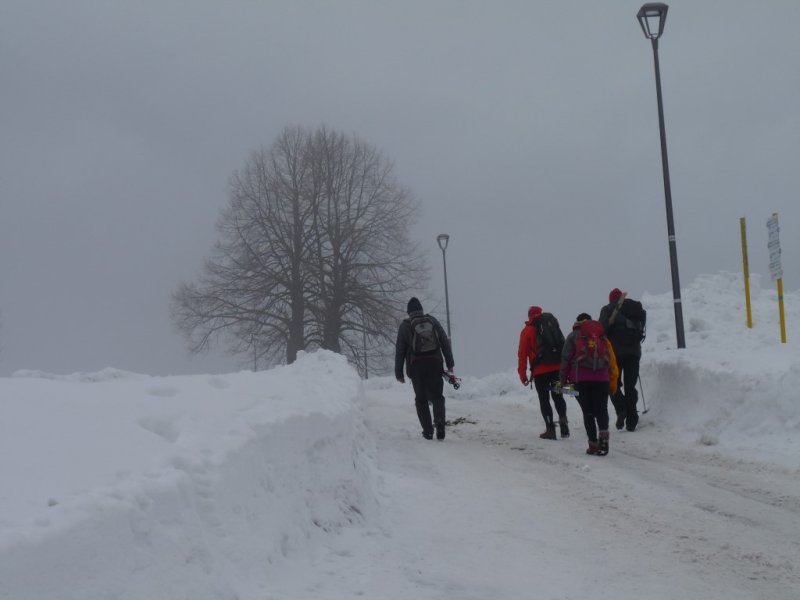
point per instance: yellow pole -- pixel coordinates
(746, 272)
(780, 310)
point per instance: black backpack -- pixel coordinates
(549, 339)
(630, 323)
(423, 336)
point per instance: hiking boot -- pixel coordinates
(620, 422)
(603, 443)
(593, 448)
(440, 431)
(549, 433)
(632, 423)
(428, 435)
(564, 428)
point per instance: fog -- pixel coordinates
(527, 130)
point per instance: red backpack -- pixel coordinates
(591, 348)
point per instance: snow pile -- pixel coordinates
(115, 482)
(119, 485)
(731, 385)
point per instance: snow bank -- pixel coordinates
(128, 486)
(731, 385)
(119, 485)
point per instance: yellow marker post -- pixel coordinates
(775, 268)
(780, 310)
(746, 272)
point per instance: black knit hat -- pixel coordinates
(583, 317)
(414, 305)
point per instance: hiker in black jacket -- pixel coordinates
(422, 344)
(624, 320)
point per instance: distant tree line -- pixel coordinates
(313, 251)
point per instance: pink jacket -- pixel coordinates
(573, 373)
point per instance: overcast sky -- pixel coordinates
(528, 130)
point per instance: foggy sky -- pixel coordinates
(528, 130)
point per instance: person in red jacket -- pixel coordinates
(544, 364)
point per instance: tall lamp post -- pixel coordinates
(442, 239)
(364, 330)
(652, 17)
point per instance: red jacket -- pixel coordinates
(526, 354)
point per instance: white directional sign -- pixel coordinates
(774, 246)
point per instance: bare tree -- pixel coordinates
(314, 251)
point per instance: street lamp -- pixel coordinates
(652, 17)
(364, 330)
(442, 240)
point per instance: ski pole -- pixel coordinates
(644, 404)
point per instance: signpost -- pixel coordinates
(775, 267)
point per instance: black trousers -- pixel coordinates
(426, 377)
(543, 384)
(627, 397)
(593, 398)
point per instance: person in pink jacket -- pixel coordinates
(588, 362)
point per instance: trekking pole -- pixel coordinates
(644, 404)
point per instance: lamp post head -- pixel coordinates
(652, 17)
(442, 239)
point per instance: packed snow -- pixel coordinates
(306, 482)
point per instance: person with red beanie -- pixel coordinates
(624, 321)
(540, 345)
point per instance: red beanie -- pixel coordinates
(614, 295)
(534, 312)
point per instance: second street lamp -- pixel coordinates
(442, 240)
(652, 17)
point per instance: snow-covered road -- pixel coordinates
(494, 512)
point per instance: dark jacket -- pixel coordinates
(404, 355)
(624, 345)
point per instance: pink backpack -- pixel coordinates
(591, 348)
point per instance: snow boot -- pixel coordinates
(562, 422)
(428, 435)
(603, 443)
(632, 422)
(593, 448)
(620, 421)
(440, 431)
(549, 433)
